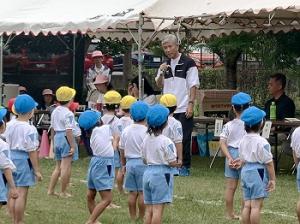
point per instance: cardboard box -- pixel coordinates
(214, 100)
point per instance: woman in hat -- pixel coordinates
(97, 69)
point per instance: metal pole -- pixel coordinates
(74, 54)
(140, 31)
(1, 69)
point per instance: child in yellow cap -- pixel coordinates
(65, 147)
(112, 101)
(173, 129)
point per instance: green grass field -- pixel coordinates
(197, 199)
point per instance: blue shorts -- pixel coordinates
(254, 179)
(229, 172)
(298, 177)
(62, 147)
(117, 159)
(158, 183)
(3, 189)
(135, 169)
(101, 173)
(24, 174)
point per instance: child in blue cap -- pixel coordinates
(101, 171)
(159, 154)
(6, 166)
(23, 142)
(230, 138)
(295, 144)
(257, 174)
(131, 154)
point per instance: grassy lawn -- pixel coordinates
(198, 198)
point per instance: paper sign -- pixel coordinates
(218, 127)
(267, 129)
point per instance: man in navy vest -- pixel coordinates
(179, 76)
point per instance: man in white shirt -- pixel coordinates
(179, 76)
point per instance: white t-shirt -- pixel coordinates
(77, 130)
(11, 122)
(173, 130)
(158, 150)
(124, 122)
(101, 141)
(131, 140)
(180, 87)
(22, 136)
(113, 122)
(62, 119)
(5, 161)
(295, 142)
(255, 149)
(233, 132)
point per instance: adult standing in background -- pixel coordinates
(179, 76)
(97, 69)
(149, 94)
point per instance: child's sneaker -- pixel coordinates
(184, 172)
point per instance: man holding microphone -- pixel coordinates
(179, 76)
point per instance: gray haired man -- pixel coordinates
(179, 76)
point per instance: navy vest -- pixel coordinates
(184, 64)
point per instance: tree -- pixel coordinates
(272, 51)
(230, 48)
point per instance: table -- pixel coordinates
(277, 125)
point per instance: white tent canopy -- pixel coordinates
(113, 18)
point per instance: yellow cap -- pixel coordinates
(127, 101)
(13, 110)
(65, 93)
(168, 100)
(112, 97)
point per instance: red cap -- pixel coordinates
(73, 106)
(10, 103)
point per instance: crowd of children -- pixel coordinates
(137, 146)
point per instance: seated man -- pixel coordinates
(285, 106)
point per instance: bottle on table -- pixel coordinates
(273, 111)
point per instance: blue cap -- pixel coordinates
(252, 116)
(138, 110)
(157, 115)
(3, 112)
(89, 119)
(241, 99)
(24, 104)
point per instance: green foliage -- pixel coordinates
(231, 45)
(212, 79)
(112, 46)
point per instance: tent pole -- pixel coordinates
(1, 69)
(140, 31)
(74, 59)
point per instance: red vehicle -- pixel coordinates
(27, 62)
